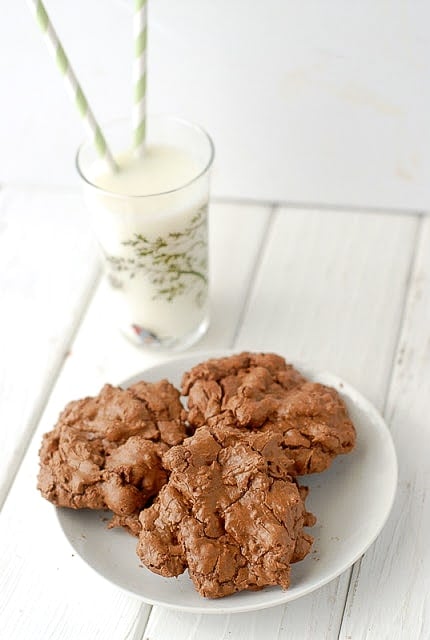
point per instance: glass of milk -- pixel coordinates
(150, 218)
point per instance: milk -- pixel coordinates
(150, 218)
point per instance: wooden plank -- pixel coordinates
(325, 292)
(397, 567)
(48, 267)
(81, 605)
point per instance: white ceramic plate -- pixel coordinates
(351, 501)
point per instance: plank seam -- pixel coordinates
(345, 604)
(289, 204)
(353, 581)
(254, 271)
(347, 208)
(139, 632)
(406, 297)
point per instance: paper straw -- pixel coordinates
(139, 75)
(71, 81)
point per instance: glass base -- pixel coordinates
(146, 340)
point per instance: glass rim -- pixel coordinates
(112, 194)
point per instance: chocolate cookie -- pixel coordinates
(262, 392)
(105, 452)
(229, 513)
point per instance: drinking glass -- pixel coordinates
(154, 246)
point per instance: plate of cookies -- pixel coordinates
(220, 482)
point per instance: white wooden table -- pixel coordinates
(345, 291)
(336, 96)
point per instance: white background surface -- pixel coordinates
(308, 102)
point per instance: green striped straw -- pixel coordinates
(139, 75)
(71, 81)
